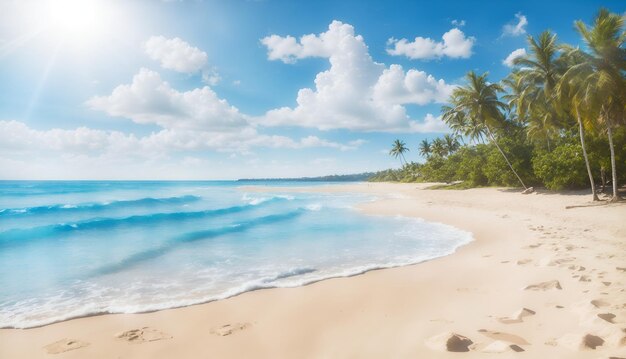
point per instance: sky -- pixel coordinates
(193, 89)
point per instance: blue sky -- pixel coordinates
(95, 89)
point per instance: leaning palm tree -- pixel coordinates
(478, 103)
(602, 72)
(398, 149)
(424, 148)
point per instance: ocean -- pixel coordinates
(75, 248)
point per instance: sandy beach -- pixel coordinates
(538, 281)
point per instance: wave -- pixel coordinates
(297, 277)
(258, 200)
(94, 207)
(290, 273)
(22, 235)
(193, 237)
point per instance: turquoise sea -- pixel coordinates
(76, 248)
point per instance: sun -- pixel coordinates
(75, 19)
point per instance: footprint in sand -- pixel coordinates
(145, 334)
(499, 346)
(559, 262)
(533, 246)
(552, 284)
(576, 267)
(517, 317)
(64, 345)
(609, 317)
(504, 337)
(522, 262)
(450, 342)
(578, 342)
(599, 303)
(229, 329)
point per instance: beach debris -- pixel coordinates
(450, 342)
(229, 329)
(528, 190)
(65, 345)
(517, 317)
(551, 284)
(145, 334)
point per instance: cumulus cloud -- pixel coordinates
(512, 56)
(287, 49)
(175, 54)
(150, 100)
(395, 86)
(454, 45)
(356, 93)
(516, 27)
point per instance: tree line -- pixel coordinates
(558, 119)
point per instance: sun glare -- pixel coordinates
(75, 19)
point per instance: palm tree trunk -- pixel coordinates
(582, 144)
(505, 158)
(613, 167)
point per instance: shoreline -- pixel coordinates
(489, 214)
(347, 274)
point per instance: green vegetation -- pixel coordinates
(557, 120)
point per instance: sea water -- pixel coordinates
(78, 248)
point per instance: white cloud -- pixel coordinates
(356, 93)
(430, 124)
(454, 45)
(516, 29)
(458, 23)
(394, 86)
(175, 54)
(18, 139)
(150, 100)
(288, 49)
(512, 56)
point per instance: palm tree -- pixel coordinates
(398, 149)
(534, 84)
(572, 93)
(461, 125)
(424, 148)
(478, 103)
(438, 147)
(602, 73)
(451, 142)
